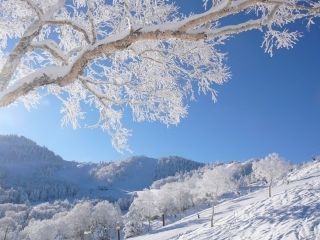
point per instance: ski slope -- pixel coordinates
(293, 212)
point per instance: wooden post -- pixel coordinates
(163, 220)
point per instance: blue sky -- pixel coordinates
(270, 105)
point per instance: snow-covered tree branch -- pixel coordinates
(142, 55)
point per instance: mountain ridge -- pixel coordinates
(38, 174)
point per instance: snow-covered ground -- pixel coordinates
(293, 212)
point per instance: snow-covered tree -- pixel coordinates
(182, 198)
(145, 204)
(164, 201)
(105, 219)
(270, 168)
(133, 223)
(217, 182)
(144, 55)
(13, 217)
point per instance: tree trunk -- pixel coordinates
(5, 235)
(212, 214)
(163, 221)
(269, 190)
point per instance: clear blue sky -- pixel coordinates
(270, 105)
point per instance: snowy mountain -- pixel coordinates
(292, 213)
(34, 173)
(21, 149)
(174, 208)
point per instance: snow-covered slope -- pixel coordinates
(293, 212)
(34, 173)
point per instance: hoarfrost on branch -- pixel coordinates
(141, 55)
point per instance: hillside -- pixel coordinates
(31, 172)
(291, 213)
